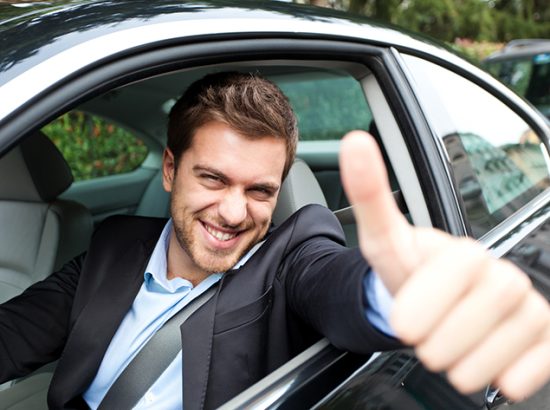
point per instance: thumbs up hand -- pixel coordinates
(466, 313)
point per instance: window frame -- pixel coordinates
(82, 86)
(515, 103)
(122, 70)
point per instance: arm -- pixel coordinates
(35, 324)
(326, 290)
(440, 284)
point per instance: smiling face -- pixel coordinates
(223, 193)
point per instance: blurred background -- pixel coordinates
(474, 27)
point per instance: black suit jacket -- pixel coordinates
(302, 283)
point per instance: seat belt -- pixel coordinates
(152, 360)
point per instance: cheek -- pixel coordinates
(261, 213)
(194, 199)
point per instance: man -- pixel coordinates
(231, 141)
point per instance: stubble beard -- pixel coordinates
(208, 261)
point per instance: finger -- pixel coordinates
(433, 291)
(528, 374)
(501, 289)
(501, 349)
(366, 182)
(383, 231)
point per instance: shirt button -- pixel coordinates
(149, 397)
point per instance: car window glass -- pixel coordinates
(95, 147)
(514, 73)
(499, 162)
(529, 76)
(327, 108)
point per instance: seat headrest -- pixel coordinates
(300, 188)
(34, 171)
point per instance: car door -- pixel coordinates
(492, 155)
(265, 56)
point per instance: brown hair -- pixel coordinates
(249, 104)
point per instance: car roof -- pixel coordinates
(47, 45)
(31, 35)
(521, 48)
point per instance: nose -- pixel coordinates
(233, 207)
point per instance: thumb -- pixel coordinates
(385, 237)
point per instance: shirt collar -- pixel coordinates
(156, 270)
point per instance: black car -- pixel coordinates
(465, 154)
(524, 65)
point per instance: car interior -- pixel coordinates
(48, 218)
(39, 231)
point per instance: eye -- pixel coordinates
(211, 180)
(211, 177)
(262, 193)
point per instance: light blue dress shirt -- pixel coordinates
(379, 303)
(159, 299)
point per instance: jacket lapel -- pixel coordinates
(99, 320)
(197, 332)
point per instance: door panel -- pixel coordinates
(114, 194)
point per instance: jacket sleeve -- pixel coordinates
(34, 325)
(324, 285)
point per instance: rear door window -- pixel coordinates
(95, 147)
(327, 105)
(499, 161)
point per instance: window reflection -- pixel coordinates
(499, 162)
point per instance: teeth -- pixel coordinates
(221, 236)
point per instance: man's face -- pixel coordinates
(223, 194)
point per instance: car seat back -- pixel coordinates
(39, 233)
(299, 188)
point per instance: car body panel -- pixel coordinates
(92, 32)
(110, 195)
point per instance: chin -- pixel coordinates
(217, 266)
(220, 261)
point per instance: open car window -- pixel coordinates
(328, 103)
(327, 107)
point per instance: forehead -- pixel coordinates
(217, 145)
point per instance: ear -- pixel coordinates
(168, 170)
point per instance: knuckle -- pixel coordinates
(463, 382)
(407, 334)
(511, 391)
(430, 358)
(538, 311)
(471, 248)
(509, 287)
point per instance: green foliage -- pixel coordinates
(437, 18)
(477, 20)
(511, 27)
(94, 147)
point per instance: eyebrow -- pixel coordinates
(203, 168)
(268, 186)
(271, 188)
